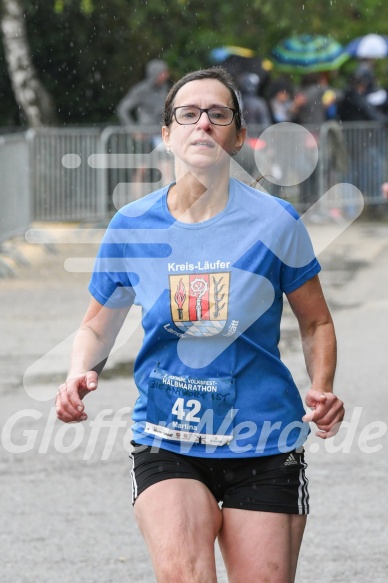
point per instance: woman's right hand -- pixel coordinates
(70, 407)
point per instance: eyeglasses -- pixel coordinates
(190, 114)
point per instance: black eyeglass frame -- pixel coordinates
(206, 110)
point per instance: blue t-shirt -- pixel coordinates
(209, 374)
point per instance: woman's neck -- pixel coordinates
(194, 199)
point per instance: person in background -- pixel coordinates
(366, 169)
(375, 94)
(356, 104)
(280, 96)
(140, 111)
(143, 104)
(315, 101)
(256, 113)
(255, 108)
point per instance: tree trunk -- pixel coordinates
(29, 92)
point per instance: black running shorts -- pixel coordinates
(275, 483)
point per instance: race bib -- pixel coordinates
(185, 408)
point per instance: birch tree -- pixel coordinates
(30, 95)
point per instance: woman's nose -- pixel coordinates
(204, 121)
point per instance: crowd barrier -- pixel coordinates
(64, 187)
(354, 153)
(15, 193)
(85, 174)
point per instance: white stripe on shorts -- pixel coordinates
(133, 478)
(303, 495)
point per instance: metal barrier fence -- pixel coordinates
(64, 186)
(355, 153)
(85, 174)
(15, 195)
(135, 164)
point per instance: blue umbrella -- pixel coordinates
(308, 54)
(237, 60)
(221, 54)
(370, 46)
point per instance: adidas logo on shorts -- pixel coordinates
(290, 461)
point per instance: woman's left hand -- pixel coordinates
(327, 412)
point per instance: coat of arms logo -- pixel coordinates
(199, 302)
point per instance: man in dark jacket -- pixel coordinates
(364, 142)
(355, 105)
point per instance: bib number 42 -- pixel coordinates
(180, 409)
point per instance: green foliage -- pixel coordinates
(89, 52)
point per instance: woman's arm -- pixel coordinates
(319, 348)
(92, 345)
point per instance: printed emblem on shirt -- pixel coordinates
(199, 302)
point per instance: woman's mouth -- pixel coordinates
(203, 143)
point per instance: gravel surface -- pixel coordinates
(65, 511)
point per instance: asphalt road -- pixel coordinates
(65, 511)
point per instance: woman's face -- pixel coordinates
(203, 145)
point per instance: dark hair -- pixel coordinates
(217, 73)
(278, 85)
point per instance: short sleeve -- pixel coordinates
(299, 263)
(112, 282)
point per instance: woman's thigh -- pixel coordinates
(260, 547)
(180, 519)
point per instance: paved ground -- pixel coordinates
(65, 512)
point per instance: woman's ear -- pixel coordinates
(240, 139)
(166, 138)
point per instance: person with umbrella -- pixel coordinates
(313, 57)
(367, 49)
(239, 60)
